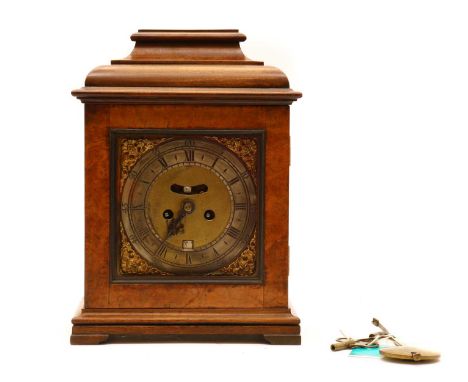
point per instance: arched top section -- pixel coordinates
(168, 66)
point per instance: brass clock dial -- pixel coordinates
(189, 206)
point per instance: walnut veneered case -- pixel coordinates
(186, 193)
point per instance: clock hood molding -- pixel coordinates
(187, 67)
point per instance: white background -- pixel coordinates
(379, 188)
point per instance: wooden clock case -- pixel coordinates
(192, 79)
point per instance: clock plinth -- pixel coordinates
(186, 194)
(274, 326)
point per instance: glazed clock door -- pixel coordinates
(187, 206)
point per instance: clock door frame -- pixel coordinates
(101, 292)
(115, 135)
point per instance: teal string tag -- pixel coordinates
(365, 352)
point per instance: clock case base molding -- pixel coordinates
(99, 326)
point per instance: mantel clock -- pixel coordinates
(186, 194)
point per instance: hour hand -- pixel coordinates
(189, 190)
(176, 226)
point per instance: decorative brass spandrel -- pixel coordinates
(244, 148)
(131, 263)
(244, 265)
(131, 150)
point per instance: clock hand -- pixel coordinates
(176, 226)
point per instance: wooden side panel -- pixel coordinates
(100, 293)
(276, 207)
(97, 206)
